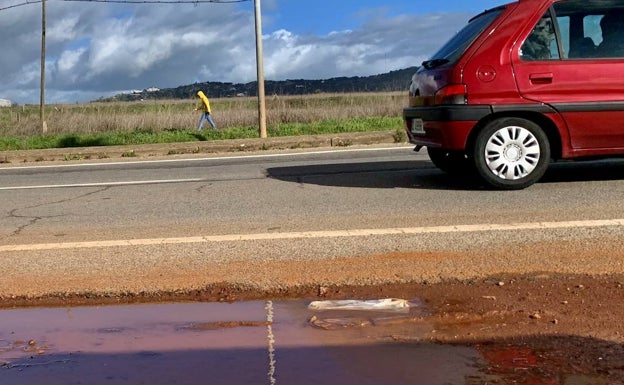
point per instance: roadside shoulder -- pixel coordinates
(209, 147)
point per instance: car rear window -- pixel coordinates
(457, 45)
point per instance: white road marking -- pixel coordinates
(318, 234)
(104, 184)
(143, 182)
(179, 160)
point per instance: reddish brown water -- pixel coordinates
(218, 343)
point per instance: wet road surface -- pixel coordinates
(219, 343)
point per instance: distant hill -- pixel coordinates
(391, 81)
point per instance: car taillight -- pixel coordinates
(452, 94)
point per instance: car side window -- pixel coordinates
(578, 35)
(590, 30)
(541, 43)
(612, 28)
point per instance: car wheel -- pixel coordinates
(451, 162)
(511, 153)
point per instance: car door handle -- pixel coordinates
(541, 78)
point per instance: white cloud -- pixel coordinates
(97, 50)
(65, 30)
(28, 74)
(380, 45)
(69, 60)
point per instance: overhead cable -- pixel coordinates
(28, 2)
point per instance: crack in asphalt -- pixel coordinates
(203, 187)
(33, 219)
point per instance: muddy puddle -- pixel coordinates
(239, 343)
(219, 343)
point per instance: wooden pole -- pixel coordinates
(260, 68)
(44, 126)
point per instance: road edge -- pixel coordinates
(142, 151)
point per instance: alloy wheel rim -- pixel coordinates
(512, 153)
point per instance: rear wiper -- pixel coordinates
(431, 64)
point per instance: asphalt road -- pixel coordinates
(272, 221)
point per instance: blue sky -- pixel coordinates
(101, 49)
(324, 16)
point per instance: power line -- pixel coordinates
(21, 4)
(28, 2)
(159, 1)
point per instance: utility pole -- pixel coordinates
(260, 67)
(44, 126)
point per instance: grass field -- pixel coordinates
(102, 124)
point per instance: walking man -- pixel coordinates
(204, 106)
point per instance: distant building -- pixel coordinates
(5, 103)
(152, 89)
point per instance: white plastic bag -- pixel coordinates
(386, 304)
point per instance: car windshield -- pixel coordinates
(452, 50)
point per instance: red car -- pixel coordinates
(523, 84)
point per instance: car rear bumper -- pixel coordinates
(445, 127)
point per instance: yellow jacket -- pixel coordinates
(204, 105)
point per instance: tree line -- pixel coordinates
(392, 81)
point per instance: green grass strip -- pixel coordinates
(146, 136)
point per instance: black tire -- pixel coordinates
(511, 153)
(451, 162)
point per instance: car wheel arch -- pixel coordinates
(546, 124)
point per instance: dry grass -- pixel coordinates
(161, 115)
